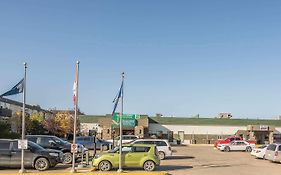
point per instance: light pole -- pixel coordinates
(22, 170)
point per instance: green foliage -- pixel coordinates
(5, 131)
(61, 124)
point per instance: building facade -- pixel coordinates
(188, 133)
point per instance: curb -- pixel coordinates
(93, 173)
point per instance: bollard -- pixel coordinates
(87, 157)
(101, 147)
(82, 157)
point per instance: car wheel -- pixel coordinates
(67, 158)
(248, 149)
(227, 149)
(41, 164)
(104, 165)
(161, 155)
(149, 165)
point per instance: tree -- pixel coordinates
(33, 123)
(5, 131)
(60, 124)
(36, 126)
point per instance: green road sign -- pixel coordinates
(127, 119)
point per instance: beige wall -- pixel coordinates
(193, 129)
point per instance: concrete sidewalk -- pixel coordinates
(81, 172)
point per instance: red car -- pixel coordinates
(230, 139)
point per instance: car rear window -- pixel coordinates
(15, 146)
(141, 149)
(87, 139)
(4, 145)
(148, 142)
(139, 142)
(160, 143)
(79, 139)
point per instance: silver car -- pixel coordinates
(236, 145)
(273, 152)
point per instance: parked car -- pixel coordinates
(125, 139)
(53, 142)
(163, 146)
(237, 145)
(88, 142)
(35, 156)
(135, 155)
(259, 152)
(230, 139)
(273, 152)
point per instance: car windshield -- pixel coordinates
(34, 146)
(59, 140)
(114, 150)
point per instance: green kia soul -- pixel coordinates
(133, 155)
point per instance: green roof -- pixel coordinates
(191, 121)
(212, 121)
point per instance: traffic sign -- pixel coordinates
(127, 119)
(74, 148)
(22, 144)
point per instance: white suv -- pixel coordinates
(125, 139)
(163, 146)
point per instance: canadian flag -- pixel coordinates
(75, 86)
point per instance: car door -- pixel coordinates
(127, 151)
(134, 157)
(278, 157)
(233, 146)
(5, 153)
(88, 142)
(16, 156)
(242, 146)
(270, 152)
(161, 146)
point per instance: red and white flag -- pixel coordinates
(75, 86)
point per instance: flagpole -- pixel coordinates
(73, 170)
(120, 123)
(22, 170)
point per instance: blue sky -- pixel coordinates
(180, 58)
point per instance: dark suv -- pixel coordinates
(35, 156)
(53, 142)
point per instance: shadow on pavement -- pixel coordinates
(179, 157)
(173, 167)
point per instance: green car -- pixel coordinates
(133, 155)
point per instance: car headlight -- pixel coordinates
(54, 154)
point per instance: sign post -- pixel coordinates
(22, 144)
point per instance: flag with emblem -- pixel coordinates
(18, 88)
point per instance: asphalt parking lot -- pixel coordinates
(199, 160)
(204, 160)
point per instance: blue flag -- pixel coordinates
(116, 99)
(18, 88)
